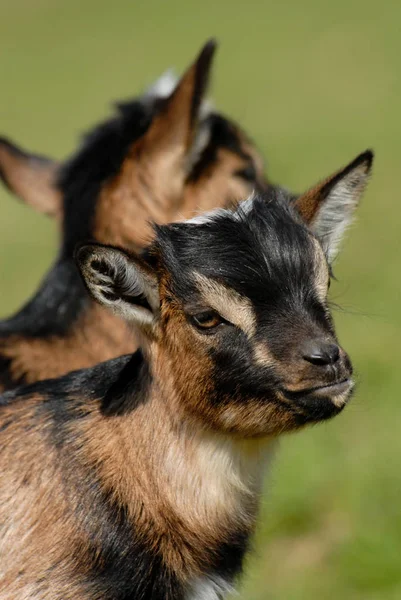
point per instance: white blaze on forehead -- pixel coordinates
(228, 303)
(209, 216)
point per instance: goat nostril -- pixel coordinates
(321, 353)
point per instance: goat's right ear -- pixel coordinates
(31, 177)
(124, 283)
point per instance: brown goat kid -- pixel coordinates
(140, 477)
(162, 159)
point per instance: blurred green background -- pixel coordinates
(314, 83)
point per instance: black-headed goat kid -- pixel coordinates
(139, 477)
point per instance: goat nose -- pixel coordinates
(321, 353)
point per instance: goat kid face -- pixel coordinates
(234, 305)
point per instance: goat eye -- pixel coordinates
(248, 173)
(206, 320)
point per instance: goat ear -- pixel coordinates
(31, 177)
(175, 126)
(122, 282)
(328, 207)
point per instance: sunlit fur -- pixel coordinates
(161, 157)
(141, 477)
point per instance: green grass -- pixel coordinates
(315, 83)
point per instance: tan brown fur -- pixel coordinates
(189, 484)
(137, 196)
(150, 185)
(229, 304)
(96, 336)
(262, 354)
(38, 524)
(217, 187)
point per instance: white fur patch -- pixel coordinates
(244, 207)
(211, 477)
(341, 399)
(164, 86)
(209, 588)
(209, 216)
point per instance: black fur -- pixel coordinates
(93, 383)
(267, 256)
(119, 399)
(6, 381)
(106, 383)
(123, 567)
(59, 302)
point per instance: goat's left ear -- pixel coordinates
(31, 177)
(124, 283)
(328, 208)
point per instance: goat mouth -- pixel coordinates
(331, 389)
(322, 401)
(326, 389)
